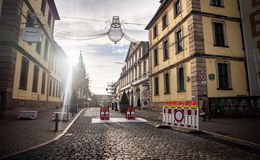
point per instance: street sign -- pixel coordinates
(145, 103)
(146, 94)
(202, 76)
(32, 35)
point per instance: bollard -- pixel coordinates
(56, 122)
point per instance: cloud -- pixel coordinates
(101, 54)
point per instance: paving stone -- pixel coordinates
(136, 141)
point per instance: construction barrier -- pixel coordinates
(104, 113)
(184, 114)
(130, 113)
(27, 115)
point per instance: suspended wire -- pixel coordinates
(85, 19)
(138, 24)
(81, 39)
(129, 38)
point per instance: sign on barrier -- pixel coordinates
(184, 114)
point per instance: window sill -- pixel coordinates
(221, 46)
(167, 93)
(165, 59)
(176, 15)
(156, 65)
(180, 91)
(35, 91)
(164, 27)
(156, 95)
(225, 89)
(23, 88)
(179, 51)
(221, 6)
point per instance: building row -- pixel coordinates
(196, 47)
(31, 74)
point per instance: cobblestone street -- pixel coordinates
(134, 141)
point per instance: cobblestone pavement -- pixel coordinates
(17, 134)
(135, 141)
(241, 128)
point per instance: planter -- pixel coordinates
(122, 108)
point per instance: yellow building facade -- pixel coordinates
(28, 78)
(196, 48)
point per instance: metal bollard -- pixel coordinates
(56, 122)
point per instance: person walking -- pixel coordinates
(205, 108)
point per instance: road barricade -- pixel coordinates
(130, 113)
(104, 113)
(184, 114)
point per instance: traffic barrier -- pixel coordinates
(104, 113)
(184, 114)
(130, 113)
(27, 115)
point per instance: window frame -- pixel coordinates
(155, 31)
(43, 89)
(35, 78)
(165, 50)
(179, 80)
(221, 3)
(165, 22)
(46, 49)
(225, 36)
(23, 85)
(167, 89)
(43, 6)
(177, 12)
(1, 8)
(155, 50)
(229, 81)
(179, 41)
(156, 86)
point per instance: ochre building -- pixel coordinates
(196, 48)
(30, 73)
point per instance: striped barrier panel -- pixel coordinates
(183, 114)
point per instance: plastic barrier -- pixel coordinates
(27, 115)
(184, 114)
(104, 113)
(130, 113)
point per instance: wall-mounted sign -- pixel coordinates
(32, 35)
(212, 76)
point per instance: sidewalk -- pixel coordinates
(18, 134)
(244, 129)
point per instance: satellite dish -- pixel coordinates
(115, 32)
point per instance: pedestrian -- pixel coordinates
(205, 107)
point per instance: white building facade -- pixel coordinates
(134, 79)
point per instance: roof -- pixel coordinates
(54, 9)
(160, 10)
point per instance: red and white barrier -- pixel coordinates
(104, 113)
(184, 114)
(130, 113)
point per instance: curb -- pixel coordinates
(49, 141)
(236, 140)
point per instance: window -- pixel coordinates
(155, 31)
(1, 6)
(217, 3)
(219, 38)
(50, 87)
(53, 89)
(177, 8)
(166, 83)
(39, 47)
(165, 50)
(43, 82)
(155, 52)
(29, 20)
(46, 49)
(223, 78)
(144, 67)
(156, 86)
(180, 76)
(179, 43)
(164, 21)
(35, 78)
(43, 6)
(24, 74)
(49, 18)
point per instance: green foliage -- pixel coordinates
(124, 99)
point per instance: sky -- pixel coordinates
(100, 55)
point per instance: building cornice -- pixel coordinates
(209, 56)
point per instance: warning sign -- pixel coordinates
(146, 95)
